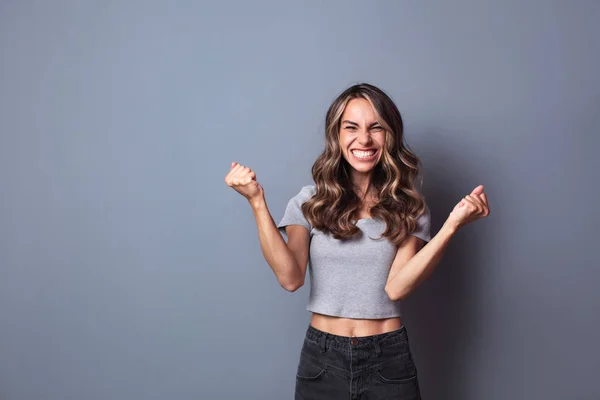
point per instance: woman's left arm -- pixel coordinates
(412, 266)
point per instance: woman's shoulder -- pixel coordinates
(305, 193)
(309, 190)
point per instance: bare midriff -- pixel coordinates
(354, 327)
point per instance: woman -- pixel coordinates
(363, 230)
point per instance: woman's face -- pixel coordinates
(361, 137)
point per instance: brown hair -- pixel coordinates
(335, 204)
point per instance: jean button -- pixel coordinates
(354, 341)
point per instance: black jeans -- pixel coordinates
(372, 367)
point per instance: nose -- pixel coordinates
(364, 137)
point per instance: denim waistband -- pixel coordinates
(386, 339)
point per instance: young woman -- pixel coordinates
(363, 231)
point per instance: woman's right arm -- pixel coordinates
(288, 261)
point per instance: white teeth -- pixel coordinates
(363, 154)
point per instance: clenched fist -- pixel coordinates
(471, 208)
(243, 180)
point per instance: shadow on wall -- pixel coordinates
(441, 314)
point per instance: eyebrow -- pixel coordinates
(354, 123)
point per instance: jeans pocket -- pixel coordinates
(396, 379)
(399, 370)
(309, 369)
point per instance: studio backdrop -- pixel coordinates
(130, 270)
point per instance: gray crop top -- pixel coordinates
(347, 279)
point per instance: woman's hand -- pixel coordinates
(243, 180)
(471, 208)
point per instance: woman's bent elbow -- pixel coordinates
(395, 295)
(292, 286)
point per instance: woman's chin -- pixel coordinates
(363, 168)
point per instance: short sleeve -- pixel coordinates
(293, 212)
(423, 229)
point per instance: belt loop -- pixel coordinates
(377, 348)
(322, 342)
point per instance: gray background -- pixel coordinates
(129, 270)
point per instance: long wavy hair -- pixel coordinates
(335, 206)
